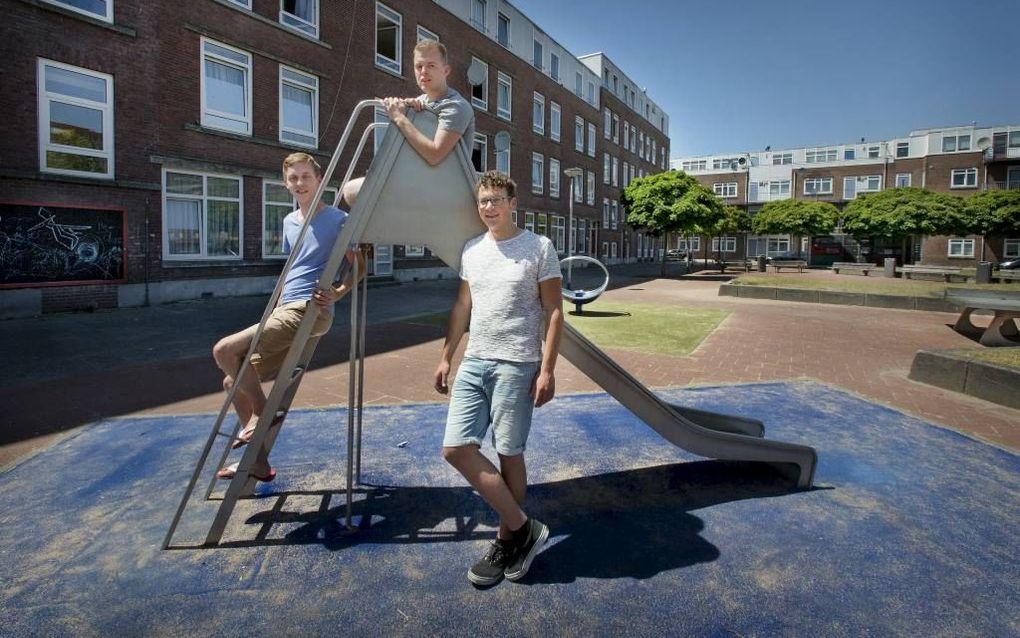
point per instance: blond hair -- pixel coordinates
(433, 45)
(301, 158)
(493, 180)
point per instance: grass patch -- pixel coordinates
(1005, 357)
(651, 328)
(876, 285)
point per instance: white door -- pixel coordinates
(383, 259)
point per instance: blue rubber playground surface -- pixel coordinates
(910, 529)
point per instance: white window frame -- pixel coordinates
(607, 123)
(614, 214)
(820, 155)
(477, 19)
(590, 190)
(616, 171)
(555, 116)
(425, 33)
(538, 113)
(578, 133)
(203, 218)
(558, 232)
(591, 93)
(481, 140)
(304, 82)
(591, 139)
(613, 250)
(483, 102)
(578, 83)
(107, 17)
(529, 221)
(957, 147)
(554, 66)
(616, 128)
(958, 248)
(537, 169)
(504, 84)
(554, 177)
(725, 190)
(502, 17)
(822, 185)
(45, 98)
(969, 178)
(626, 135)
(245, 124)
(779, 159)
(330, 197)
(605, 168)
(501, 157)
(538, 55)
(381, 61)
(1010, 248)
(902, 146)
(903, 183)
(729, 244)
(412, 250)
(299, 24)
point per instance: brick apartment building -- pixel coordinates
(141, 158)
(957, 160)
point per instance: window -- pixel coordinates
(538, 114)
(426, 34)
(503, 30)
(478, 14)
(605, 168)
(513, 215)
(902, 149)
(554, 177)
(953, 143)
(626, 135)
(578, 190)
(691, 244)
(201, 216)
(277, 203)
(818, 186)
(591, 93)
(616, 167)
(849, 153)
(607, 123)
(388, 24)
(242, 3)
(503, 161)
(694, 165)
(779, 159)
(480, 152)
(1011, 248)
(724, 244)
(299, 108)
(961, 248)
(480, 93)
(579, 134)
(538, 55)
(964, 178)
(558, 235)
(725, 163)
(816, 155)
(605, 212)
(537, 173)
(578, 82)
(554, 66)
(504, 95)
(573, 236)
(869, 184)
(529, 221)
(633, 139)
(613, 250)
(102, 9)
(590, 198)
(591, 140)
(725, 189)
(778, 245)
(903, 180)
(302, 15)
(226, 88)
(616, 128)
(75, 120)
(614, 214)
(554, 121)
(873, 152)
(542, 228)
(626, 174)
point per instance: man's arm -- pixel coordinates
(336, 293)
(460, 315)
(552, 306)
(432, 151)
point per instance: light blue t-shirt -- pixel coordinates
(313, 253)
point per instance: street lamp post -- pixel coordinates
(573, 173)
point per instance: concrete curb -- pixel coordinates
(979, 379)
(807, 295)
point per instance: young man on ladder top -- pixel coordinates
(302, 176)
(456, 117)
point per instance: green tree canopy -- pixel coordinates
(795, 217)
(902, 212)
(670, 202)
(994, 213)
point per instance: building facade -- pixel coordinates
(955, 160)
(142, 159)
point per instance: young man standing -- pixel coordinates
(456, 117)
(510, 294)
(302, 176)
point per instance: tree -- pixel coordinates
(733, 220)
(795, 217)
(903, 213)
(994, 213)
(670, 202)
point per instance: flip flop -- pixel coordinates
(244, 437)
(230, 471)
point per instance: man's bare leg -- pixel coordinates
(488, 482)
(351, 190)
(229, 353)
(515, 475)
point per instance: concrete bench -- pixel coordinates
(852, 266)
(746, 265)
(799, 264)
(1006, 275)
(946, 272)
(1006, 309)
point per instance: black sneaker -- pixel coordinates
(538, 534)
(489, 570)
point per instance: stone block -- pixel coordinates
(940, 370)
(993, 383)
(889, 301)
(797, 294)
(841, 298)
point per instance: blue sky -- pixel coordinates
(741, 75)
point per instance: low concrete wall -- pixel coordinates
(977, 378)
(809, 295)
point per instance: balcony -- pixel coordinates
(1010, 185)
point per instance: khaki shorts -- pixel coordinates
(279, 333)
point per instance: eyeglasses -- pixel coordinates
(493, 201)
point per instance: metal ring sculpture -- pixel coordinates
(581, 296)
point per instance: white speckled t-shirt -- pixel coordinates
(506, 311)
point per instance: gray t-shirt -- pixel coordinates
(506, 310)
(455, 114)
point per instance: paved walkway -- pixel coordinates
(69, 370)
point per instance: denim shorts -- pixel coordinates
(491, 392)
